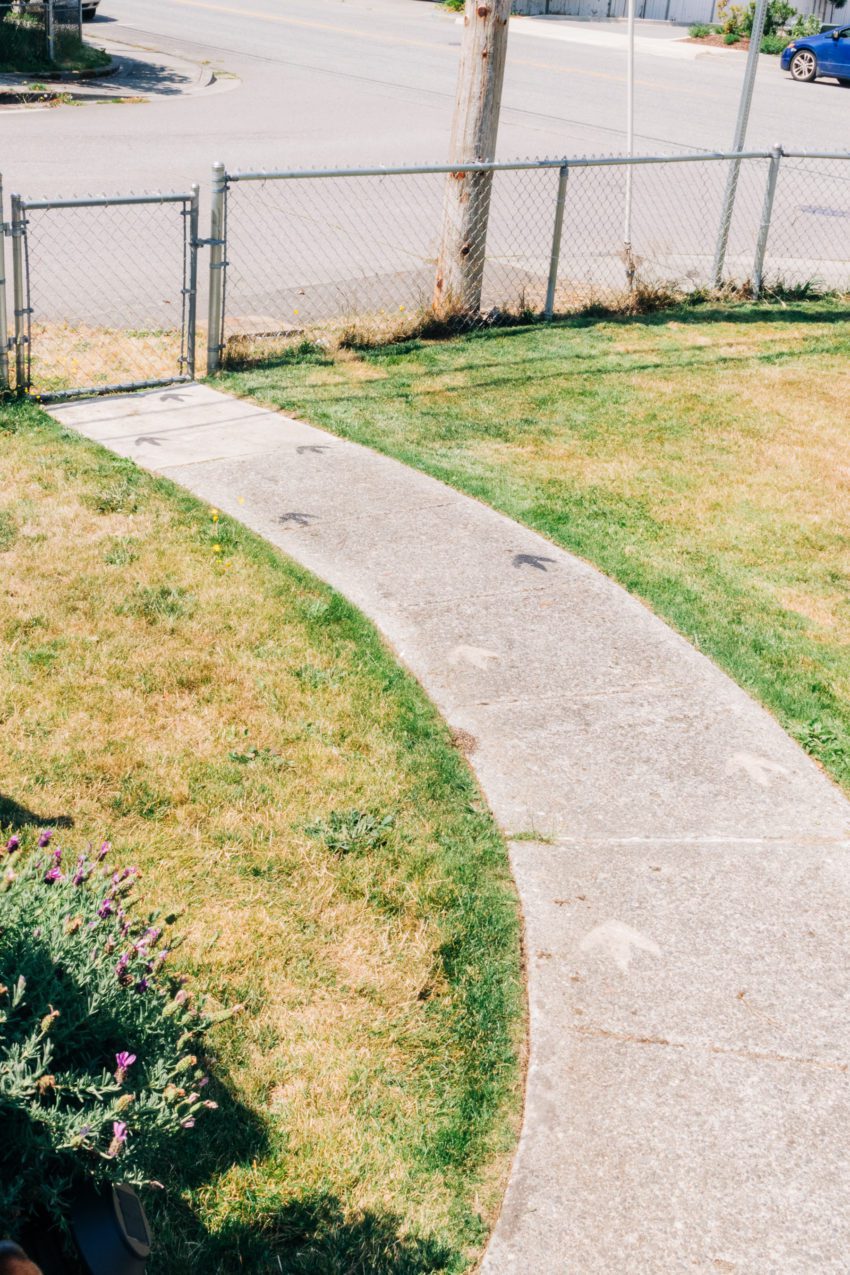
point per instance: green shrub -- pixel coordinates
(731, 37)
(698, 31)
(774, 43)
(806, 24)
(738, 19)
(98, 1077)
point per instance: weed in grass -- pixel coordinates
(8, 531)
(136, 797)
(352, 831)
(121, 552)
(118, 497)
(158, 603)
(265, 756)
(316, 678)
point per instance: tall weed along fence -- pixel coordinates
(105, 292)
(33, 32)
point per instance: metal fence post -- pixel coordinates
(192, 306)
(557, 231)
(22, 381)
(766, 214)
(218, 266)
(4, 322)
(49, 30)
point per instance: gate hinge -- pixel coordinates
(208, 243)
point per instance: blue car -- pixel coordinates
(814, 55)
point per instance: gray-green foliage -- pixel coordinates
(97, 1071)
(348, 831)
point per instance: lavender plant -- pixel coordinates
(99, 1043)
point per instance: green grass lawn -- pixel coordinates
(698, 456)
(169, 681)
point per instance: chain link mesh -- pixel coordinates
(108, 293)
(356, 257)
(809, 244)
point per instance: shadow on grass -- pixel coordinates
(14, 818)
(310, 1236)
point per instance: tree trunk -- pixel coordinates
(466, 205)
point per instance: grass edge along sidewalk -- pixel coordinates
(170, 681)
(695, 455)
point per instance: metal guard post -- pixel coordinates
(766, 216)
(218, 264)
(557, 231)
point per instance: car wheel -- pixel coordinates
(804, 66)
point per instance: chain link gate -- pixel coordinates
(105, 292)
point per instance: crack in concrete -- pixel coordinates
(751, 1055)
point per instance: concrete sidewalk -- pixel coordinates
(683, 867)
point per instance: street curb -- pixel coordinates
(98, 73)
(15, 87)
(9, 80)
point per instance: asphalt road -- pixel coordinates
(372, 81)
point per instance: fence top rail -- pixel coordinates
(101, 201)
(606, 161)
(815, 154)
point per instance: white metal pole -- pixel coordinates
(630, 142)
(740, 137)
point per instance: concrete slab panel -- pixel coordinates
(692, 942)
(646, 1158)
(649, 761)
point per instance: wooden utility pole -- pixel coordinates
(466, 206)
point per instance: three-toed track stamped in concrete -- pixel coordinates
(682, 865)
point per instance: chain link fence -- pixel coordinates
(105, 290)
(356, 255)
(35, 34)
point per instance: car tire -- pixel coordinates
(803, 66)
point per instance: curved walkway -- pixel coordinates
(683, 866)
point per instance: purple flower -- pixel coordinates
(124, 1061)
(188, 1124)
(54, 874)
(104, 850)
(44, 839)
(105, 909)
(142, 985)
(80, 875)
(181, 996)
(119, 1137)
(13, 844)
